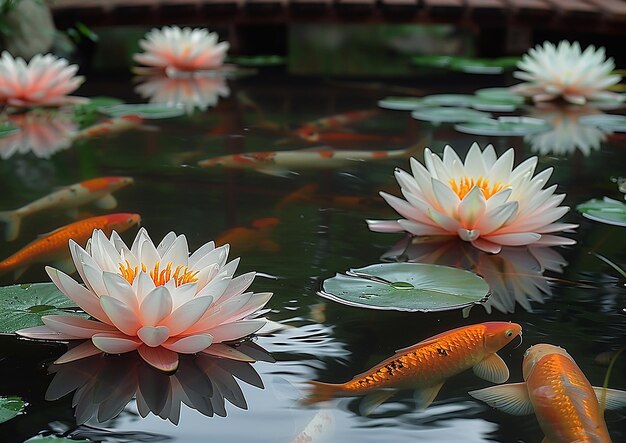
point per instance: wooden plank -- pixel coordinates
(487, 6)
(444, 7)
(614, 9)
(574, 7)
(530, 6)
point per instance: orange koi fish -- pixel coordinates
(112, 125)
(282, 163)
(96, 190)
(309, 131)
(244, 238)
(567, 407)
(53, 247)
(311, 194)
(427, 365)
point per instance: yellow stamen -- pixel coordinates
(465, 185)
(182, 274)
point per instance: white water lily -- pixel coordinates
(483, 200)
(159, 300)
(182, 50)
(565, 71)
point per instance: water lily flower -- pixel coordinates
(565, 71)
(201, 92)
(158, 300)
(484, 200)
(44, 81)
(176, 50)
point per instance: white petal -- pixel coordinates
(115, 343)
(185, 316)
(122, 317)
(189, 345)
(235, 330)
(156, 306)
(153, 336)
(76, 326)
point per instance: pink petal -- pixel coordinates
(156, 306)
(384, 225)
(517, 239)
(153, 336)
(76, 326)
(115, 343)
(44, 333)
(225, 351)
(235, 330)
(121, 315)
(189, 345)
(487, 246)
(184, 317)
(83, 350)
(159, 358)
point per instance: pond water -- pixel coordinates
(317, 210)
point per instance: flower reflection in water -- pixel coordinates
(567, 134)
(105, 384)
(188, 92)
(514, 275)
(42, 133)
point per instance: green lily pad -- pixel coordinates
(7, 129)
(457, 100)
(22, 306)
(610, 122)
(10, 407)
(505, 126)
(476, 66)
(448, 115)
(412, 287)
(499, 94)
(258, 60)
(607, 210)
(148, 111)
(401, 103)
(432, 61)
(53, 439)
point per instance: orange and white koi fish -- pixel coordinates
(53, 247)
(425, 366)
(110, 126)
(96, 190)
(243, 238)
(310, 131)
(568, 408)
(282, 163)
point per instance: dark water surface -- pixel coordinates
(564, 296)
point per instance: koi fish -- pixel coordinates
(96, 190)
(244, 238)
(349, 138)
(110, 126)
(567, 407)
(282, 163)
(309, 131)
(311, 194)
(52, 247)
(427, 365)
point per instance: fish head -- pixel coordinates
(499, 333)
(535, 353)
(120, 222)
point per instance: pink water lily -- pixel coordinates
(159, 300)
(565, 71)
(484, 200)
(178, 50)
(44, 81)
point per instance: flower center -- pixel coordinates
(160, 276)
(465, 185)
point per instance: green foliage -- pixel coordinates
(607, 210)
(10, 407)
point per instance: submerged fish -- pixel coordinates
(96, 190)
(312, 194)
(111, 126)
(244, 238)
(425, 366)
(281, 163)
(309, 131)
(567, 407)
(53, 247)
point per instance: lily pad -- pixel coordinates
(504, 126)
(7, 129)
(432, 61)
(54, 439)
(457, 100)
(148, 111)
(499, 94)
(610, 122)
(10, 407)
(607, 210)
(258, 60)
(412, 287)
(22, 306)
(401, 103)
(448, 115)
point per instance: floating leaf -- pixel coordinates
(507, 126)
(7, 129)
(448, 115)
(409, 287)
(609, 122)
(475, 66)
(258, 60)
(22, 306)
(499, 94)
(10, 407)
(148, 111)
(485, 104)
(458, 100)
(401, 103)
(54, 439)
(606, 210)
(432, 61)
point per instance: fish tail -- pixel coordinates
(13, 220)
(319, 392)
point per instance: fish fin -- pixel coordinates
(610, 398)
(424, 397)
(511, 398)
(492, 368)
(65, 265)
(13, 221)
(17, 273)
(269, 245)
(319, 392)
(106, 202)
(373, 400)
